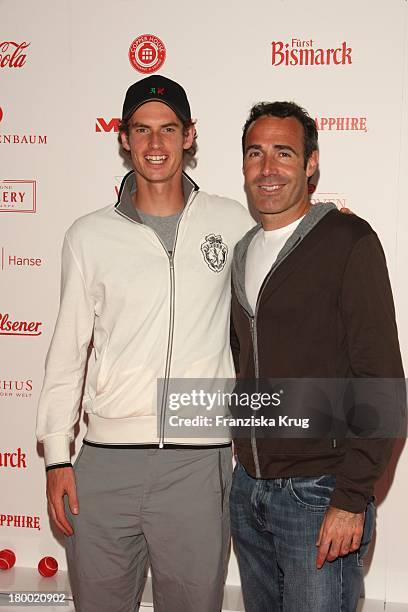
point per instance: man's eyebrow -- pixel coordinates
(144, 125)
(253, 146)
(278, 147)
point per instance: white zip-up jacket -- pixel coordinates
(150, 314)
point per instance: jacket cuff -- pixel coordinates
(355, 502)
(56, 450)
(57, 465)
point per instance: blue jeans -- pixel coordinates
(275, 524)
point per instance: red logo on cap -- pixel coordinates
(147, 53)
(1, 113)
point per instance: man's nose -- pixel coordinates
(155, 140)
(268, 165)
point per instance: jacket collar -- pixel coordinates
(310, 220)
(124, 205)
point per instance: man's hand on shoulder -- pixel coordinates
(61, 481)
(346, 211)
(340, 534)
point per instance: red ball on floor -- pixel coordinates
(47, 567)
(7, 559)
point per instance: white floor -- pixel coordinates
(25, 579)
(368, 606)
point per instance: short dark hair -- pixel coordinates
(283, 110)
(189, 153)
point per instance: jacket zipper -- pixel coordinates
(169, 348)
(256, 362)
(171, 324)
(254, 335)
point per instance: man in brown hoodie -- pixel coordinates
(311, 299)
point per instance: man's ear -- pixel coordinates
(189, 134)
(125, 141)
(312, 163)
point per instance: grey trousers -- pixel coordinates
(167, 508)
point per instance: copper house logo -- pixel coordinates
(147, 53)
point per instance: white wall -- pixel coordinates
(77, 70)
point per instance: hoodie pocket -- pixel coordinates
(95, 372)
(127, 393)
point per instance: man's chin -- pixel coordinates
(270, 210)
(159, 175)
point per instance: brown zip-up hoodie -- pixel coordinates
(325, 310)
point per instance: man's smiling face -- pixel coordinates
(274, 169)
(156, 142)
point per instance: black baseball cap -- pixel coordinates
(157, 88)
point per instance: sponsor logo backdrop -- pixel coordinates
(63, 84)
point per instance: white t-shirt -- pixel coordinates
(262, 253)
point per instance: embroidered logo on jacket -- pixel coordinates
(215, 252)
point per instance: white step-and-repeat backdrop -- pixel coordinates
(64, 69)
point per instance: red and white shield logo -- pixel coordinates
(147, 53)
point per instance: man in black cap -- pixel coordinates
(148, 280)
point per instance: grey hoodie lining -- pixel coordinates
(125, 204)
(311, 219)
